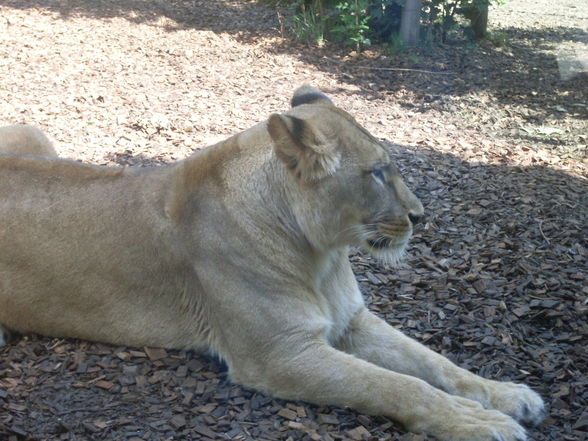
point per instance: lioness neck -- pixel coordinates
(242, 186)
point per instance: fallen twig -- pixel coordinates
(402, 69)
(543, 234)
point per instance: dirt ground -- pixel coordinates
(492, 137)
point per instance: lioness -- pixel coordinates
(242, 250)
(23, 139)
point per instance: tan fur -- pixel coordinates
(22, 139)
(241, 249)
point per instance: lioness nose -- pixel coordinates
(415, 218)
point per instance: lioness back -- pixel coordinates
(22, 139)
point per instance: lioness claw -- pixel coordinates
(240, 249)
(518, 401)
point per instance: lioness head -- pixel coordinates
(346, 188)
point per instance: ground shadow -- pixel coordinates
(525, 73)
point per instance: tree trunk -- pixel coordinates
(479, 22)
(411, 22)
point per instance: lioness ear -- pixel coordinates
(309, 95)
(306, 154)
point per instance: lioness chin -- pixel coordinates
(241, 249)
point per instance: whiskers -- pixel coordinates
(388, 248)
(355, 234)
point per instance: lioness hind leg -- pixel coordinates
(315, 372)
(372, 339)
(22, 139)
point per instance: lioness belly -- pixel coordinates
(136, 319)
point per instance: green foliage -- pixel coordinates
(312, 21)
(442, 17)
(351, 22)
(498, 39)
(358, 22)
(308, 25)
(385, 18)
(396, 45)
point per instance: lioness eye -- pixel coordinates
(379, 175)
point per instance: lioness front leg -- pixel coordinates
(316, 372)
(372, 339)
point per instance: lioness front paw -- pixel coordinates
(467, 420)
(518, 401)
